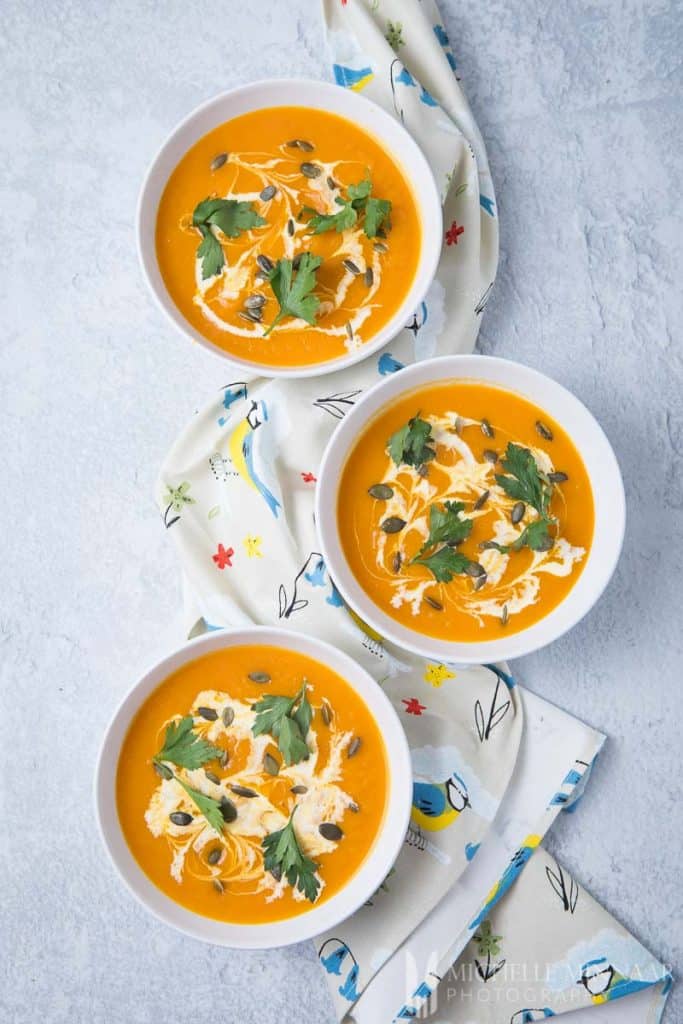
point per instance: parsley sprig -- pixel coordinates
(293, 289)
(359, 199)
(525, 482)
(232, 217)
(210, 808)
(445, 563)
(283, 856)
(446, 526)
(412, 443)
(287, 719)
(184, 748)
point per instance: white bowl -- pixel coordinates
(599, 460)
(360, 886)
(320, 96)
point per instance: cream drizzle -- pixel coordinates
(242, 861)
(465, 480)
(239, 279)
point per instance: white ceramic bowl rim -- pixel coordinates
(318, 95)
(362, 884)
(597, 455)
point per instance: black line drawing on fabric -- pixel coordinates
(338, 405)
(481, 305)
(396, 67)
(488, 945)
(416, 838)
(497, 713)
(314, 572)
(221, 467)
(558, 881)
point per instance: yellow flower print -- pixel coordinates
(436, 674)
(253, 547)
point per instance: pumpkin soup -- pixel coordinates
(242, 784)
(288, 236)
(464, 511)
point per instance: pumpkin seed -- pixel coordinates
(326, 713)
(381, 491)
(254, 316)
(259, 677)
(504, 616)
(368, 277)
(353, 806)
(380, 247)
(218, 162)
(180, 818)
(433, 603)
(276, 872)
(271, 765)
(458, 424)
(212, 777)
(244, 791)
(394, 524)
(480, 581)
(517, 514)
(228, 716)
(328, 830)
(331, 183)
(481, 501)
(352, 267)
(423, 470)
(302, 144)
(299, 789)
(545, 432)
(396, 562)
(349, 330)
(557, 478)
(475, 569)
(267, 193)
(290, 227)
(218, 885)
(214, 855)
(310, 170)
(265, 263)
(223, 758)
(228, 809)
(255, 301)
(162, 771)
(296, 262)
(545, 543)
(490, 455)
(354, 746)
(210, 714)
(486, 429)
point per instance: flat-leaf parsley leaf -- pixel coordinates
(293, 289)
(232, 217)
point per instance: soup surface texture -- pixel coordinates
(203, 782)
(465, 511)
(288, 213)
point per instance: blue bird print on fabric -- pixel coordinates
(388, 364)
(349, 78)
(232, 394)
(436, 805)
(487, 204)
(603, 982)
(338, 954)
(241, 449)
(511, 873)
(531, 1016)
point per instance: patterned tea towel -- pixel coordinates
(492, 765)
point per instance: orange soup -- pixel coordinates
(242, 784)
(289, 217)
(465, 511)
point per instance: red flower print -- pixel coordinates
(413, 706)
(453, 232)
(308, 478)
(223, 556)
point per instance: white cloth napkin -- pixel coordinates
(236, 493)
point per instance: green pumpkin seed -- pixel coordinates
(162, 771)
(271, 765)
(481, 501)
(331, 183)
(212, 777)
(381, 491)
(310, 170)
(252, 316)
(480, 581)
(210, 714)
(349, 330)
(223, 759)
(267, 193)
(228, 809)
(368, 277)
(326, 713)
(433, 603)
(218, 885)
(244, 791)
(475, 569)
(254, 301)
(354, 746)
(228, 716)
(181, 818)
(276, 872)
(490, 455)
(298, 789)
(396, 562)
(394, 524)
(218, 162)
(486, 429)
(353, 806)
(557, 478)
(303, 144)
(545, 432)
(328, 830)
(259, 677)
(423, 470)
(214, 855)
(517, 514)
(290, 227)
(380, 247)
(352, 267)
(504, 616)
(265, 263)
(545, 543)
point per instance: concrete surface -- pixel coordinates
(580, 104)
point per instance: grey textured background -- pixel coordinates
(580, 104)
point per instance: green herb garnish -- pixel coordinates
(282, 855)
(377, 212)
(412, 443)
(232, 217)
(293, 289)
(287, 719)
(445, 563)
(210, 808)
(526, 483)
(535, 536)
(446, 526)
(183, 747)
